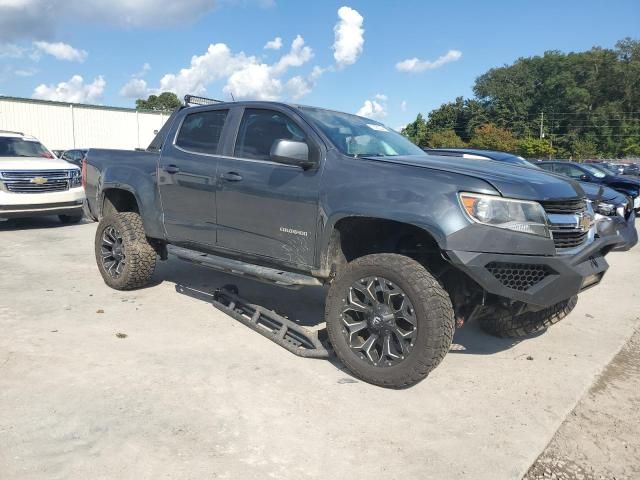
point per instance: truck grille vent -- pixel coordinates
(34, 181)
(519, 276)
(565, 206)
(568, 239)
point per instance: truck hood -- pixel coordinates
(600, 192)
(34, 163)
(511, 181)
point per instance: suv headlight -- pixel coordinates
(517, 215)
(606, 209)
(76, 178)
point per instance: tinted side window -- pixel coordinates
(200, 132)
(259, 129)
(547, 166)
(568, 170)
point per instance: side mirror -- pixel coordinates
(291, 152)
(584, 177)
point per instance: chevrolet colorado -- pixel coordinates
(410, 245)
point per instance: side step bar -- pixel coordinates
(236, 267)
(286, 333)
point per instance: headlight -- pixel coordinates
(517, 215)
(606, 209)
(76, 178)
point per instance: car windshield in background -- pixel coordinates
(595, 171)
(359, 137)
(18, 147)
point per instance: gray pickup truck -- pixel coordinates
(410, 245)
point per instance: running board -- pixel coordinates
(286, 333)
(236, 267)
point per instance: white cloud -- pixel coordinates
(254, 81)
(135, 88)
(403, 106)
(30, 72)
(61, 51)
(246, 76)
(298, 55)
(11, 50)
(297, 87)
(349, 37)
(376, 108)
(417, 65)
(41, 18)
(275, 44)
(74, 90)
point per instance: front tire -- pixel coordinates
(125, 257)
(389, 320)
(514, 326)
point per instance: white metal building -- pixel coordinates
(62, 126)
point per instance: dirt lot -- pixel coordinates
(96, 383)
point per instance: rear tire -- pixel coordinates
(513, 326)
(70, 219)
(407, 347)
(125, 257)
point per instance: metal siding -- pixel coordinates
(68, 126)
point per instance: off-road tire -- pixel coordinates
(139, 254)
(433, 312)
(70, 219)
(513, 326)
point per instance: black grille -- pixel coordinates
(569, 239)
(519, 276)
(565, 206)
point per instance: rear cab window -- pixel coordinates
(200, 132)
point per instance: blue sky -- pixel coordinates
(146, 44)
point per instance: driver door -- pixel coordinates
(266, 208)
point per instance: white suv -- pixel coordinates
(33, 182)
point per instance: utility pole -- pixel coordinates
(541, 125)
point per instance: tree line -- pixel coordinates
(575, 105)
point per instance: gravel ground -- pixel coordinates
(600, 439)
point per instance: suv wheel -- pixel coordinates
(125, 257)
(389, 320)
(507, 325)
(70, 219)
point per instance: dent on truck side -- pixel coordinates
(421, 197)
(133, 172)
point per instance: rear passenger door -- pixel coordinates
(265, 208)
(187, 177)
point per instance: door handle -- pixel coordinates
(170, 169)
(231, 177)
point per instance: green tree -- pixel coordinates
(584, 149)
(416, 131)
(445, 139)
(491, 137)
(534, 148)
(166, 101)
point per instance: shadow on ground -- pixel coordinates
(35, 223)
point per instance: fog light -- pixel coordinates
(591, 280)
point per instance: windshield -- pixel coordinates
(360, 137)
(19, 147)
(595, 171)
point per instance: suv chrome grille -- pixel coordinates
(36, 181)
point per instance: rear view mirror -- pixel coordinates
(291, 152)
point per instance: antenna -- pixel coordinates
(232, 97)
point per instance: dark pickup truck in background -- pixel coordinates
(409, 244)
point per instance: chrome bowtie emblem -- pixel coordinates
(585, 221)
(39, 180)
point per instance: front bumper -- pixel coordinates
(564, 275)
(624, 230)
(20, 205)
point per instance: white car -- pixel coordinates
(33, 182)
